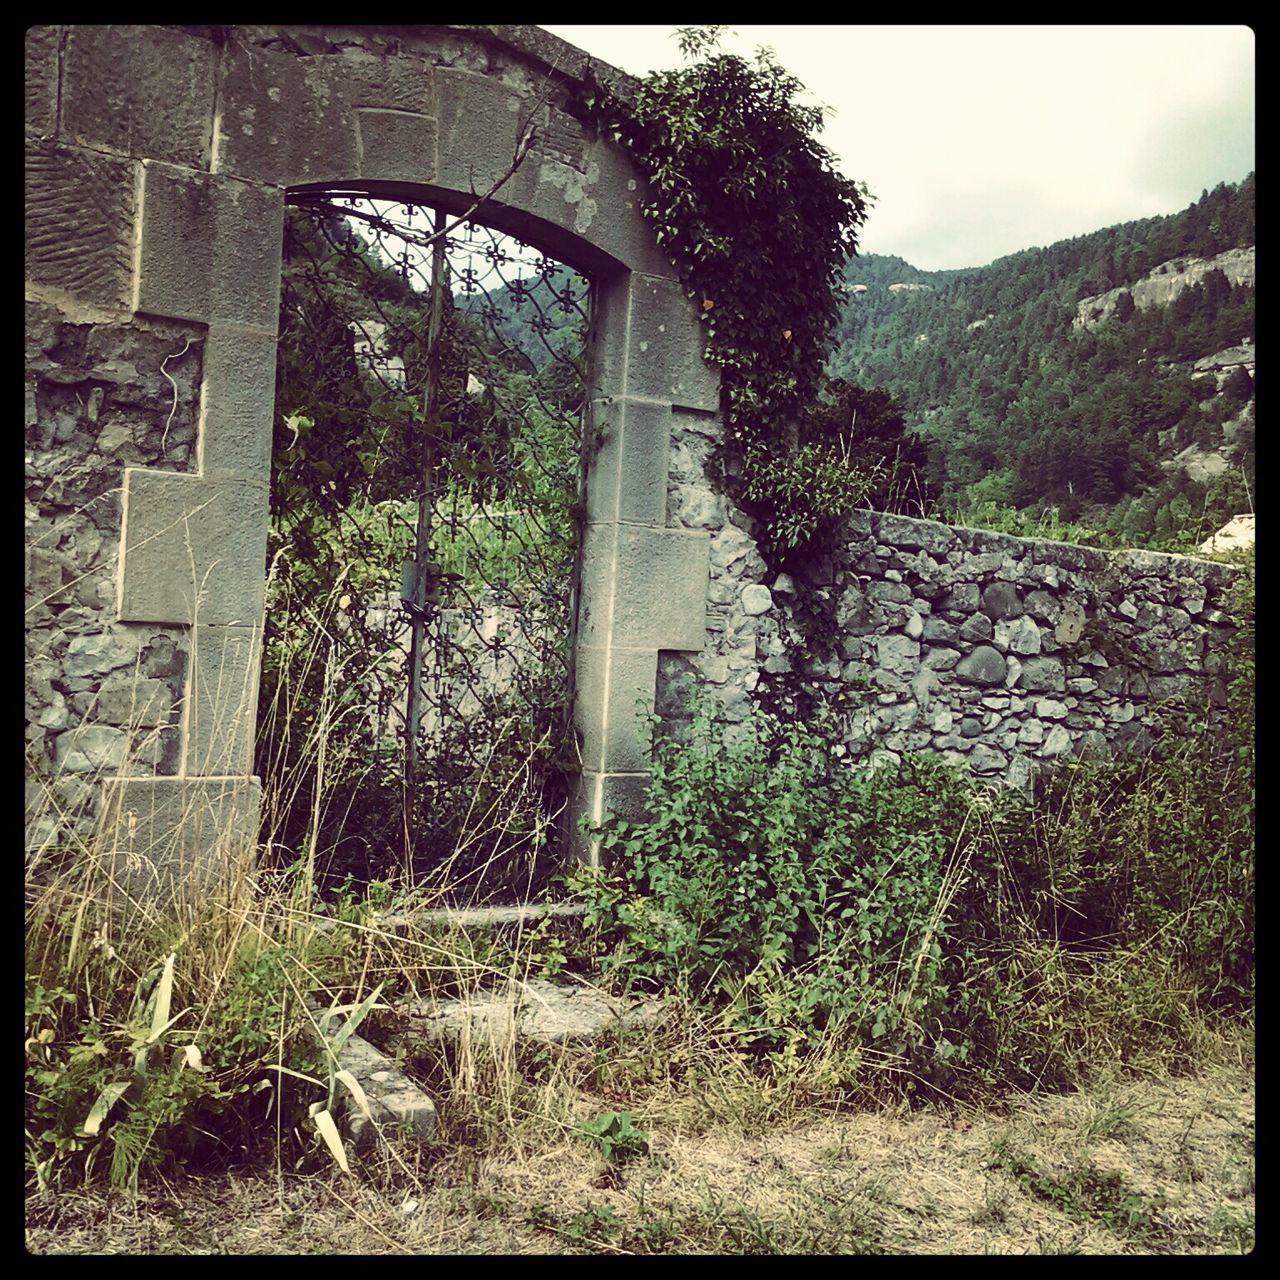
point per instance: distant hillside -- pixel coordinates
(1108, 377)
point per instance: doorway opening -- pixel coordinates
(415, 718)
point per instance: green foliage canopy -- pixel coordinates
(754, 215)
(1020, 407)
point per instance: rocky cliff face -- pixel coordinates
(1235, 535)
(1164, 283)
(1221, 363)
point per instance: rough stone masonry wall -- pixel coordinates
(1001, 654)
(101, 696)
(157, 165)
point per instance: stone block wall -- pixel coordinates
(158, 164)
(1000, 654)
(159, 160)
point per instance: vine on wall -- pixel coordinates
(752, 212)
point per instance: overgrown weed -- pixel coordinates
(907, 926)
(823, 938)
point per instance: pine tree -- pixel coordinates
(1238, 388)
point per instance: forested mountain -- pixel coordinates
(1106, 378)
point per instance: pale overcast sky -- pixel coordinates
(980, 141)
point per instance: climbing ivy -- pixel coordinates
(752, 212)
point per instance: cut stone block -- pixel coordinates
(619, 226)
(660, 357)
(591, 189)
(610, 317)
(211, 249)
(535, 1009)
(614, 696)
(628, 479)
(645, 588)
(480, 123)
(79, 223)
(396, 146)
(237, 404)
(397, 1107)
(41, 96)
(178, 838)
(667, 341)
(387, 83)
(144, 91)
(563, 139)
(565, 194)
(596, 796)
(621, 795)
(224, 701)
(193, 550)
(286, 120)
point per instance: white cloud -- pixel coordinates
(979, 141)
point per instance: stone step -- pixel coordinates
(479, 918)
(397, 1107)
(534, 1009)
(555, 1013)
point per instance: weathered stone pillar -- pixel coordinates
(644, 585)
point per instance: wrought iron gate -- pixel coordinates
(427, 495)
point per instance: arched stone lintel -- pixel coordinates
(558, 241)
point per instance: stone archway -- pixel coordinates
(431, 113)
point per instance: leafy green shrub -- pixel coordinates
(737, 181)
(618, 1139)
(795, 891)
(1005, 518)
(977, 938)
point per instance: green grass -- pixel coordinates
(1089, 1194)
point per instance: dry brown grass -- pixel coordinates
(802, 1161)
(724, 1176)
